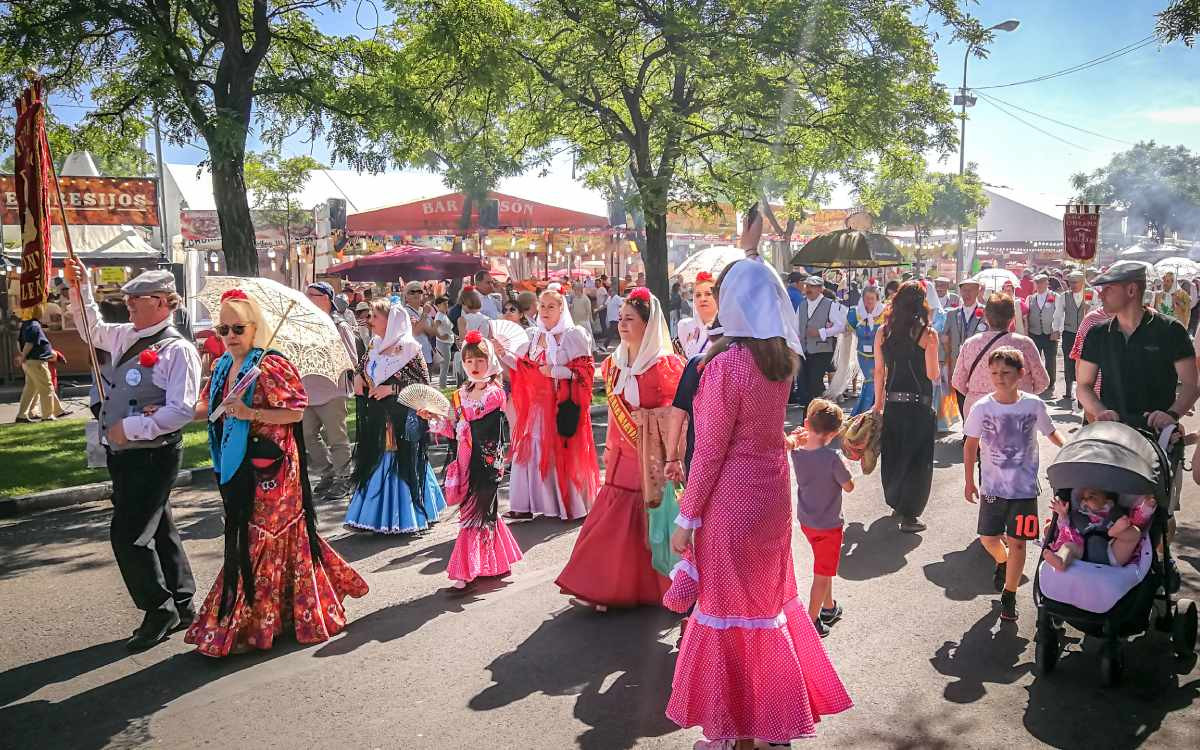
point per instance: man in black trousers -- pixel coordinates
(151, 385)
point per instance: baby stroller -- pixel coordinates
(1103, 601)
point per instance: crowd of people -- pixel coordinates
(694, 508)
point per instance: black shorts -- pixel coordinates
(1015, 518)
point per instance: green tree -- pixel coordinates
(925, 201)
(274, 182)
(212, 69)
(1160, 184)
(1179, 21)
(116, 153)
(667, 89)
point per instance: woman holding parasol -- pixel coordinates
(397, 492)
(278, 571)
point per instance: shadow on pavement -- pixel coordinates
(963, 575)
(27, 679)
(118, 713)
(400, 619)
(911, 727)
(1070, 709)
(528, 535)
(613, 662)
(984, 654)
(876, 551)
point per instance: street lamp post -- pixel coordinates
(1009, 25)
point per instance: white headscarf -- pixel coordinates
(656, 344)
(565, 323)
(754, 304)
(394, 349)
(493, 362)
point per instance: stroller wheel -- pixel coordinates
(1111, 665)
(1045, 654)
(1183, 628)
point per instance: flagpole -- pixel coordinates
(97, 378)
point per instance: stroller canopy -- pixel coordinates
(1110, 456)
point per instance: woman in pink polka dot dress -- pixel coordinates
(751, 665)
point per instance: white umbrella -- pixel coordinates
(711, 259)
(306, 334)
(993, 279)
(1181, 267)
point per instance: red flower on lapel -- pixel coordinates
(149, 357)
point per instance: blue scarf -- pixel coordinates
(229, 452)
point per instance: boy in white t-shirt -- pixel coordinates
(1005, 424)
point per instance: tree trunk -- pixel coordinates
(654, 255)
(233, 209)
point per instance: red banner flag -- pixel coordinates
(1081, 227)
(33, 188)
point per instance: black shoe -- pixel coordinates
(187, 615)
(25, 420)
(821, 628)
(999, 576)
(831, 615)
(323, 486)
(154, 630)
(911, 525)
(1008, 605)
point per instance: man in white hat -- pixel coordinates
(1069, 310)
(948, 298)
(151, 385)
(819, 320)
(963, 321)
(1042, 324)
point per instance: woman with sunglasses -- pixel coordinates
(278, 572)
(396, 491)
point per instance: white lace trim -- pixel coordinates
(686, 567)
(747, 623)
(687, 523)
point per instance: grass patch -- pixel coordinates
(50, 455)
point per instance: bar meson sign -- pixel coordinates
(94, 200)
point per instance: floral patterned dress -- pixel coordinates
(292, 589)
(485, 546)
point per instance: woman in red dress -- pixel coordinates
(278, 572)
(611, 563)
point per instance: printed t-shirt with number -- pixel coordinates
(1008, 446)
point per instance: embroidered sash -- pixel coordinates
(620, 411)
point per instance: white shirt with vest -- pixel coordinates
(1043, 314)
(1081, 304)
(177, 370)
(837, 317)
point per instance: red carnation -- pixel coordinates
(641, 293)
(468, 287)
(149, 357)
(1088, 295)
(703, 276)
(979, 312)
(473, 338)
(234, 294)
(1050, 298)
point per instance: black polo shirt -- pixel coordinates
(1146, 360)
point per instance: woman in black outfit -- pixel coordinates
(903, 382)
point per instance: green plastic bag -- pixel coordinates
(661, 526)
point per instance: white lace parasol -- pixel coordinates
(307, 336)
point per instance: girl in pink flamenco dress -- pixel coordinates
(485, 547)
(751, 665)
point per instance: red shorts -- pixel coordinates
(827, 549)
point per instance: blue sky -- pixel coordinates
(1151, 93)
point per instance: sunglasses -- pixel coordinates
(238, 329)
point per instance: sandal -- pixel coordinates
(513, 515)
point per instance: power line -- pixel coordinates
(998, 100)
(1120, 52)
(1035, 127)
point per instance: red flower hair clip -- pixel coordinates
(149, 357)
(642, 294)
(474, 338)
(234, 294)
(703, 276)
(468, 287)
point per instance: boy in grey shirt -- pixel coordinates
(820, 479)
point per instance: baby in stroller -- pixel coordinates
(1095, 528)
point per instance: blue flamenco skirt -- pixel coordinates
(386, 505)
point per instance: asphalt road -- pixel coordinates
(921, 649)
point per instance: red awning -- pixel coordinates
(443, 214)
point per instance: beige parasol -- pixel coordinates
(306, 335)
